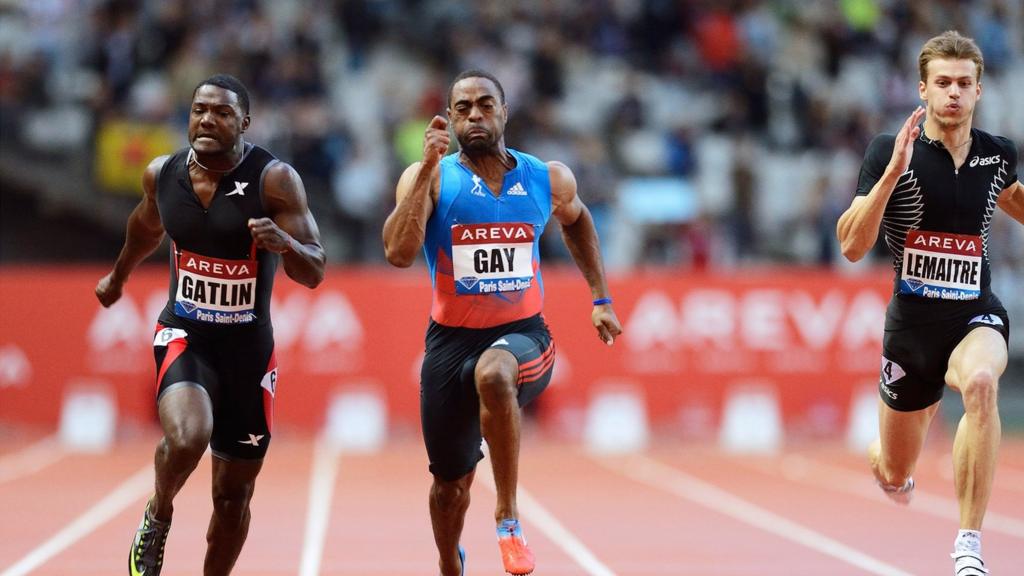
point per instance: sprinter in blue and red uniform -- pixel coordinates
(478, 216)
(934, 188)
(232, 211)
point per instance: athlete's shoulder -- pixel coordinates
(258, 158)
(988, 142)
(529, 160)
(165, 160)
(878, 153)
(879, 149)
(158, 165)
(256, 148)
(881, 144)
(446, 161)
(281, 168)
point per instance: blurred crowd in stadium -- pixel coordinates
(703, 133)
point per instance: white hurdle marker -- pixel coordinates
(616, 420)
(862, 426)
(357, 419)
(751, 420)
(88, 416)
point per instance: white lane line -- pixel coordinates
(326, 461)
(546, 522)
(845, 480)
(30, 459)
(129, 492)
(663, 477)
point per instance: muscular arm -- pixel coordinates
(291, 230)
(858, 227)
(581, 239)
(406, 226)
(142, 236)
(1011, 200)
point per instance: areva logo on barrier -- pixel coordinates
(317, 326)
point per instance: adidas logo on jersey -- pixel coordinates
(517, 190)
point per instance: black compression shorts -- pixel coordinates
(449, 404)
(920, 336)
(237, 369)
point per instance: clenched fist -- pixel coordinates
(435, 141)
(269, 236)
(108, 290)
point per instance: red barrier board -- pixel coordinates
(811, 336)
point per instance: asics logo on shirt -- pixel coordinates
(979, 161)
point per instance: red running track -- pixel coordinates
(677, 509)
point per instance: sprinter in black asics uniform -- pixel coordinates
(934, 189)
(231, 210)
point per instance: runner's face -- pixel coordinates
(951, 91)
(477, 114)
(216, 121)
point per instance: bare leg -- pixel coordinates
(893, 456)
(496, 373)
(233, 486)
(449, 500)
(974, 370)
(187, 419)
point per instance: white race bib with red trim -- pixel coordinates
(215, 290)
(491, 258)
(941, 265)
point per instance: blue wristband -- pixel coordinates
(601, 301)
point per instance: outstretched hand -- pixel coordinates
(435, 141)
(269, 236)
(903, 150)
(606, 323)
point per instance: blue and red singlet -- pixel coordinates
(483, 250)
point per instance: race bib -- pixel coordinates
(215, 290)
(491, 258)
(940, 265)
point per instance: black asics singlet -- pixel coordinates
(218, 276)
(938, 218)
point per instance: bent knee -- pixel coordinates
(495, 381)
(979, 391)
(447, 493)
(234, 505)
(187, 441)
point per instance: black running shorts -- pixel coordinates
(920, 335)
(237, 368)
(449, 404)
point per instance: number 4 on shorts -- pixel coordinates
(891, 371)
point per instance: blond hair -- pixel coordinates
(952, 46)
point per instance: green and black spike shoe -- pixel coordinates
(147, 554)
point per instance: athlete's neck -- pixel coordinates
(220, 163)
(953, 137)
(488, 163)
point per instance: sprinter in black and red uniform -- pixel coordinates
(935, 189)
(231, 210)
